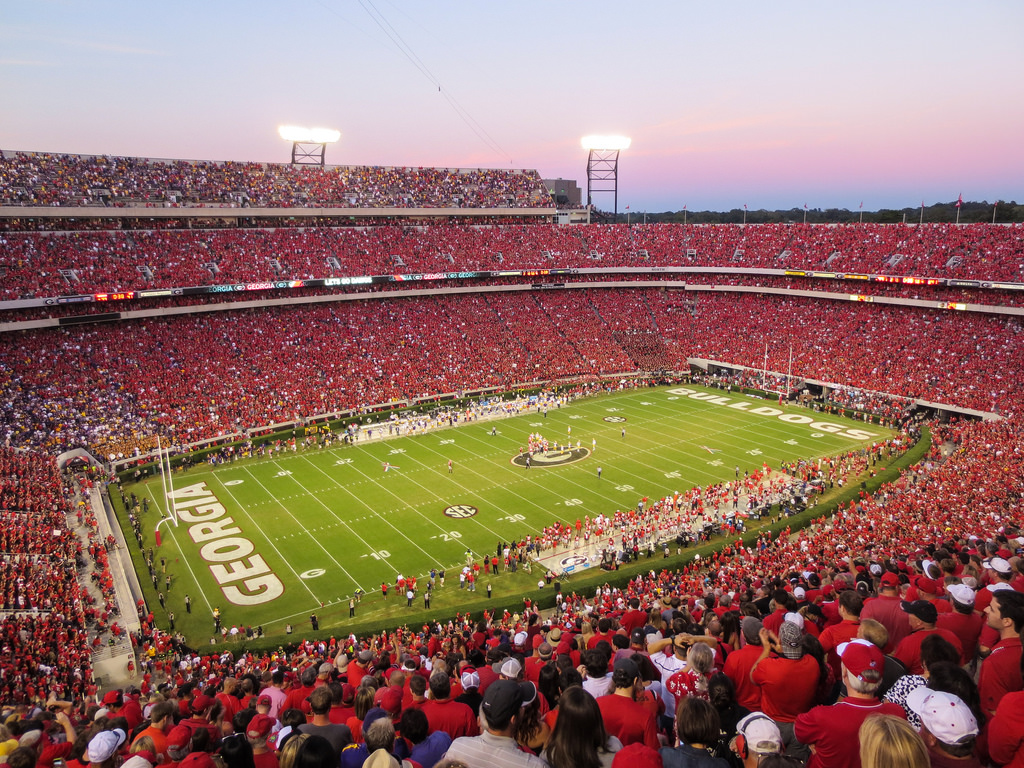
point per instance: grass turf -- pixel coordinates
(329, 521)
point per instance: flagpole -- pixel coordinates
(744, 214)
(789, 373)
(764, 370)
(994, 206)
(160, 461)
(959, 202)
(170, 483)
(922, 213)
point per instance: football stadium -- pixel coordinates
(334, 426)
(407, 452)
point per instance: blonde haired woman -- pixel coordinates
(887, 741)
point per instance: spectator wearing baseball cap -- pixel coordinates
(625, 718)
(201, 708)
(179, 743)
(739, 663)
(948, 727)
(257, 732)
(788, 678)
(470, 696)
(886, 609)
(963, 621)
(757, 735)
(495, 747)
(833, 730)
(922, 624)
(359, 668)
(104, 746)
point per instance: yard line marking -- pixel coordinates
(376, 513)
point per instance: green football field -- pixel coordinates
(270, 541)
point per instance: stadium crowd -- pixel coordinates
(255, 367)
(31, 179)
(820, 644)
(62, 263)
(910, 596)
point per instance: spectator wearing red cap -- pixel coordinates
(1001, 670)
(201, 706)
(922, 623)
(832, 731)
(257, 733)
(885, 609)
(179, 744)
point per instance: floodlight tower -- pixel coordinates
(603, 164)
(309, 145)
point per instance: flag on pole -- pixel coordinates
(627, 207)
(960, 200)
(862, 205)
(805, 206)
(744, 206)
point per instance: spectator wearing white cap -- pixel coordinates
(963, 621)
(104, 746)
(998, 573)
(757, 735)
(833, 730)
(948, 727)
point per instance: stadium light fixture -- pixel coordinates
(606, 142)
(603, 164)
(309, 145)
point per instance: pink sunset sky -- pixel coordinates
(772, 105)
